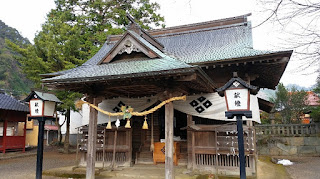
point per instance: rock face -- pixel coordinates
(293, 146)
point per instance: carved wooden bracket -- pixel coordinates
(129, 47)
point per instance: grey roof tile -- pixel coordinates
(43, 96)
(99, 55)
(47, 96)
(211, 45)
(124, 68)
(9, 103)
(198, 46)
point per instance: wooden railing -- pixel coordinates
(287, 129)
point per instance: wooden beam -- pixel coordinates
(92, 140)
(169, 170)
(188, 77)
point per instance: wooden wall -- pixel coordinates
(105, 153)
(214, 148)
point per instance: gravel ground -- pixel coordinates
(25, 167)
(304, 167)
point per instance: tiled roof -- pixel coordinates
(163, 65)
(43, 96)
(181, 50)
(212, 44)
(9, 103)
(204, 45)
(47, 96)
(137, 67)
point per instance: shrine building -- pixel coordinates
(140, 69)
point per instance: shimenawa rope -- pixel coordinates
(79, 104)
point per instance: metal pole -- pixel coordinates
(40, 148)
(241, 148)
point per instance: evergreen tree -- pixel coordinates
(74, 31)
(11, 77)
(290, 105)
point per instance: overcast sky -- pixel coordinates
(28, 15)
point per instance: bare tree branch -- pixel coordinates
(299, 20)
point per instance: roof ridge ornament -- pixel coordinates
(133, 25)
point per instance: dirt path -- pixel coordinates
(304, 167)
(25, 168)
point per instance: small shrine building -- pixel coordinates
(13, 121)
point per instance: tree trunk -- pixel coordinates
(66, 139)
(59, 129)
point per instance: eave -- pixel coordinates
(263, 71)
(184, 81)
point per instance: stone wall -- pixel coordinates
(294, 146)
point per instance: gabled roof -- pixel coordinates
(9, 103)
(43, 96)
(174, 49)
(136, 68)
(129, 42)
(104, 68)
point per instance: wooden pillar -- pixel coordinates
(152, 139)
(92, 140)
(24, 136)
(129, 143)
(189, 140)
(113, 164)
(104, 147)
(4, 142)
(169, 170)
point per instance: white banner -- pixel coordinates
(210, 106)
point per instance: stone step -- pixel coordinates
(145, 155)
(183, 156)
(144, 161)
(182, 162)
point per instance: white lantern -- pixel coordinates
(42, 104)
(237, 95)
(237, 99)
